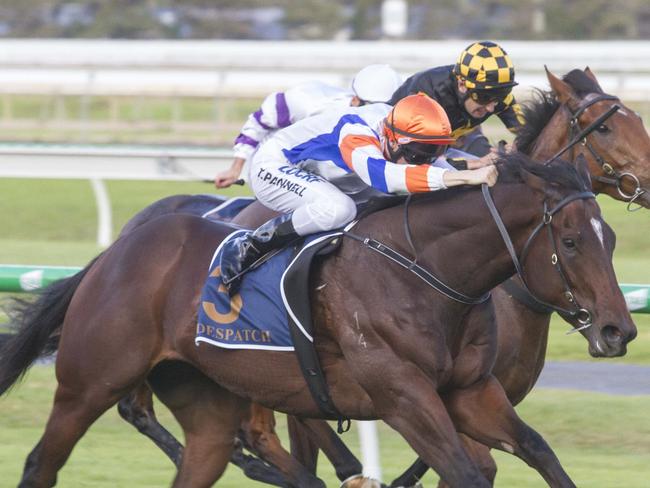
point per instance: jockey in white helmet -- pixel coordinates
(374, 83)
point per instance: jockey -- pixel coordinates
(374, 83)
(389, 148)
(478, 86)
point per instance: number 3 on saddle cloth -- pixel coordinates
(258, 316)
(271, 311)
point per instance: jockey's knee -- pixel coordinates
(334, 213)
(345, 210)
(326, 214)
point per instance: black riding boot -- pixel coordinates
(239, 253)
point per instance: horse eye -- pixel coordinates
(569, 243)
(603, 129)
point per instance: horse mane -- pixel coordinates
(542, 106)
(512, 168)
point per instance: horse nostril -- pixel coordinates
(612, 334)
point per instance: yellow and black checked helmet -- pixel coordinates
(485, 66)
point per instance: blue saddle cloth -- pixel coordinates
(255, 318)
(227, 209)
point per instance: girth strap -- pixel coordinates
(295, 282)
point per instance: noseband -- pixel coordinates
(612, 177)
(581, 314)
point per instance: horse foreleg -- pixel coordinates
(209, 417)
(416, 411)
(484, 413)
(303, 448)
(412, 475)
(260, 437)
(348, 468)
(480, 454)
(137, 409)
(256, 469)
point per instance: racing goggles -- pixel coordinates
(419, 153)
(485, 97)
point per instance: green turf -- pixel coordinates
(65, 211)
(601, 440)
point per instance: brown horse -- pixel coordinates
(618, 153)
(417, 360)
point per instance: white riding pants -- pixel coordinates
(317, 205)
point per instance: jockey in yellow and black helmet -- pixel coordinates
(478, 86)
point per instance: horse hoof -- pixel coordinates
(361, 482)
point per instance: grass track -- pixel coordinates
(603, 442)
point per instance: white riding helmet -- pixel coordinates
(376, 83)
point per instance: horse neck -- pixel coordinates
(553, 137)
(462, 246)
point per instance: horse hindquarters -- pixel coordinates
(112, 335)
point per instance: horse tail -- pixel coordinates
(36, 323)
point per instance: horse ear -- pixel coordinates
(562, 90)
(583, 170)
(592, 76)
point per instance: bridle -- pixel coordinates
(581, 314)
(610, 175)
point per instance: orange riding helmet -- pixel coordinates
(421, 128)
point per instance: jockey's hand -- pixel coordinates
(509, 147)
(229, 176)
(488, 160)
(486, 174)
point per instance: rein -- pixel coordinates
(576, 135)
(582, 315)
(412, 265)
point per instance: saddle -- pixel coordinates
(367, 199)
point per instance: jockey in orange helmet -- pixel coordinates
(389, 148)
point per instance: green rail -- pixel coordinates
(637, 297)
(18, 278)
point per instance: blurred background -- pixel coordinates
(169, 72)
(107, 106)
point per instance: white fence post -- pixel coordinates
(369, 449)
(104, 215)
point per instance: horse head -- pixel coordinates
(566, 258)
(617, 150)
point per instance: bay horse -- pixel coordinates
(390, 348)
(548, 127)
(618, 155)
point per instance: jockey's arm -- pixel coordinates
(362, 154)
(273, 114)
